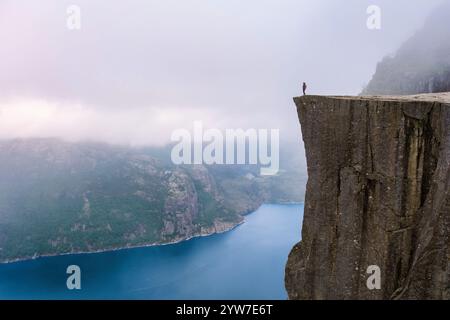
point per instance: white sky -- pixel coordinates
(139, 69)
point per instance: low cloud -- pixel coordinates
(78, 122)
(137, 70)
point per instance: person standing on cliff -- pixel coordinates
(304, 88)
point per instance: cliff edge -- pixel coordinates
(378, 194)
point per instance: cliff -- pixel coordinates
(58, 197)
(378, 194)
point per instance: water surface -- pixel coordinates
(245, 263)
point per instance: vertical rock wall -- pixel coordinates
(378, 194)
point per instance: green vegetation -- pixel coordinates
(57, 197)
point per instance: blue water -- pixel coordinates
(245, 263)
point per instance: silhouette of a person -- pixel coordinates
(304, 88)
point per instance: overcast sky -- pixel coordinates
(137, 70)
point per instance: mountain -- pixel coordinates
(58, 197)
(378, 197)
(421, 65)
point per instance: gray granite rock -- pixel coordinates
(378, 194)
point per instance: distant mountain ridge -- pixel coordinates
(421, 65)
(58, 197)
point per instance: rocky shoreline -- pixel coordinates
(205, 232)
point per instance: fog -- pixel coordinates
(139, 69)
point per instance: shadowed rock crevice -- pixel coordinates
(377, 194)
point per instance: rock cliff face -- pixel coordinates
(59, 197)
(378, 194)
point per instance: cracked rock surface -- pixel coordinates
(378, 194)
